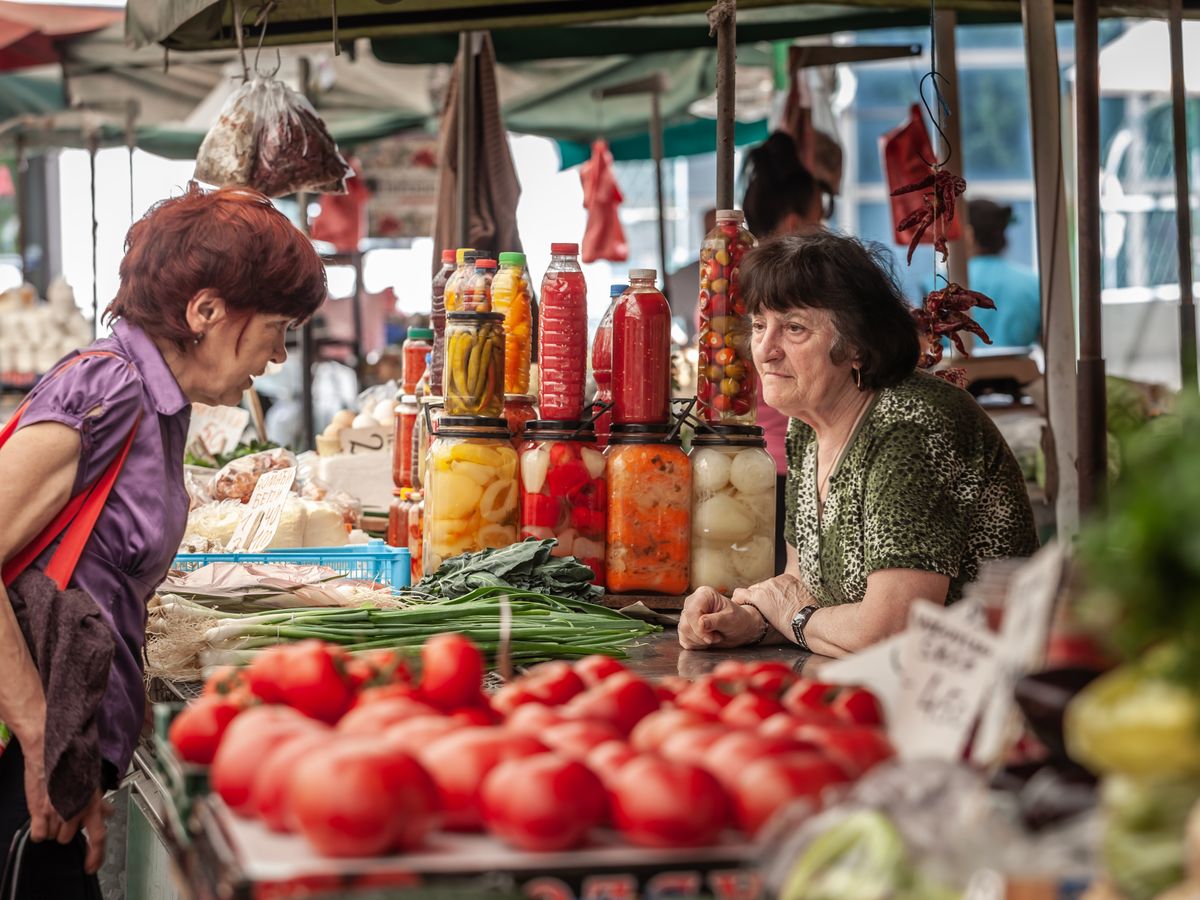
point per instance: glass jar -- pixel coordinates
(641, 353)
(474, 376)
(471, 496)
(417, 346)
(416, 516)
(402, 448)
(733, 508)
(511, 296)
(519, 409)
(423, 434)
(476, 291)
(562, 335)
(437, 316)
(726, 380)
(649, 511)
(397, 530)
(564, 494)
(602, 364)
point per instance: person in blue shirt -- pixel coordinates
(1017, 319)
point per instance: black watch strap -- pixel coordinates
(798, 622)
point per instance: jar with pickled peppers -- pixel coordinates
(726, 380)
(602, 364)
(402, 448)
(562, 336)
(649, 511)
(641, 353)
(475, 294)
(733, 508)
(563, 491)
(518, 410)
(474, 376)
(397, 530)
(472, 499)
(416, 515)
(512, 297)
(416, 347)
(437, 317)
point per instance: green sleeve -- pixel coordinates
(791, 484)
(911, 519)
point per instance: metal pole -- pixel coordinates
(1183, 202)
(726, 28)
(944, 23)
(1060, 443)
(466, 136)
(308, 346)
(21, 187)
(1093, 447)
(93, 145)
(656, 151)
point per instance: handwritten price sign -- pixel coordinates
(260, 518)
(366, 440)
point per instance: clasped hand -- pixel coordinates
(712, 621)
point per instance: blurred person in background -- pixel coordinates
(1017, 319)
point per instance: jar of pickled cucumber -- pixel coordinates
(564, 494)
(726, 380)
(733, 508)
(472, 499)
(649, 511)
(474, 368)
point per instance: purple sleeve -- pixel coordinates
(100, 397)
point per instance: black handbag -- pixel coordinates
(20, 881)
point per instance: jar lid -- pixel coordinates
(409, 398)
(432, 400)
(730, 214)
(716, 433)
(472, 426)
(479, 317)
(561, 429)
(564, 249)
(421, 334)
(643, 273)
(512, 259)
(659, 433)
(520, 398)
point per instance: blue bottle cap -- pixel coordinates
(616, 290)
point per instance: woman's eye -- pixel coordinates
(758, 325)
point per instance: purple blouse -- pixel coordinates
(139, 530)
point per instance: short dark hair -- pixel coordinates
(777, 184)
(851, 279)
(989, 221)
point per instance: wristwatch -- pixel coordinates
(799, 621)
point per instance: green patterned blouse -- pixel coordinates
(926, 482)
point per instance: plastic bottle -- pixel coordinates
(416, 351)
(641, 353)
(602, 363)
(562, 335)
(452, 264)
(477, 287)
(511, 296)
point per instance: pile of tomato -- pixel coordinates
(362, 756)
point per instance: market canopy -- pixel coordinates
(29, 32)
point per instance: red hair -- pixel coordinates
(231, 241)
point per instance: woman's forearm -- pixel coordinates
(22, 702)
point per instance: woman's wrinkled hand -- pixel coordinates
(711, 621)
(44, 821)
(778, 598)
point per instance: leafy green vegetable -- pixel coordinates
(222, 459)
(1143, 842)
(527, 566)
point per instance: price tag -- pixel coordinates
(260, 518)
(366, 440)
(949, 669)
(218, 428)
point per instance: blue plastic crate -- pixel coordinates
(372, 561)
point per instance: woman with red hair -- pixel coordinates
(210, 284)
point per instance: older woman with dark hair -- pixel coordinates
(210, 284)
(898, 483)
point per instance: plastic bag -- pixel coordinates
(603, 238)
(907, 153)
(237, 480)
(270, 138)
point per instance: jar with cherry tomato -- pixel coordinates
(472, 500)
(726, 380)
(512, 297)
(649, 511)
(564, 494)
(397, 530)
(733, 508)
(641, 353)
(602, 364)
(453, 266)
(562, 336)
(416, 516)
(519, 409)
(402, 448)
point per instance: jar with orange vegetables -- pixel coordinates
(726, 380)
(563, 490)
(512, 297)
(402, 449)
(471, 497)
(416, 516)
(649, 511)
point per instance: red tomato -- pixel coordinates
(575, 740)
(553, 683)
(539, 510)
(595, 668)
(660, 803)
(705, 695)
(532, 718)
(729, 756)
(309, 676)
(361, 798)
(476, 715)
(858, 706)
(248, 739)
(264, 674)
(770, 678)
(690, 744)
(722, 402)
(807, 695)
(652, 731)
(225, 680)
(543, 803)
(749, 710)
(375, 718)
(622, 700)
(766, 785)
(857, 748)
(412, 735)
(270, 795)
(731, 670)
(397, 691)
(787, 724)
(197, 731)
(451, 671)
(608, 758)
(460, 761)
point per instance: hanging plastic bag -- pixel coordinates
(270, 138)
(907, 154)
(603, 238)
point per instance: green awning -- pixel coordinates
(22, 95)
(685, 139)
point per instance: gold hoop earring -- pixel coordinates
(856, 374)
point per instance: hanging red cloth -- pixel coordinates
(907, 154)
(603, 238)
(343, 217)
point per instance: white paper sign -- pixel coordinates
(949, 668)
(366, 440)
(260, 518)
(218, 428)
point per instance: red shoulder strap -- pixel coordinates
(77, 518)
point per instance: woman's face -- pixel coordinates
(791, 353)
(237, 350)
